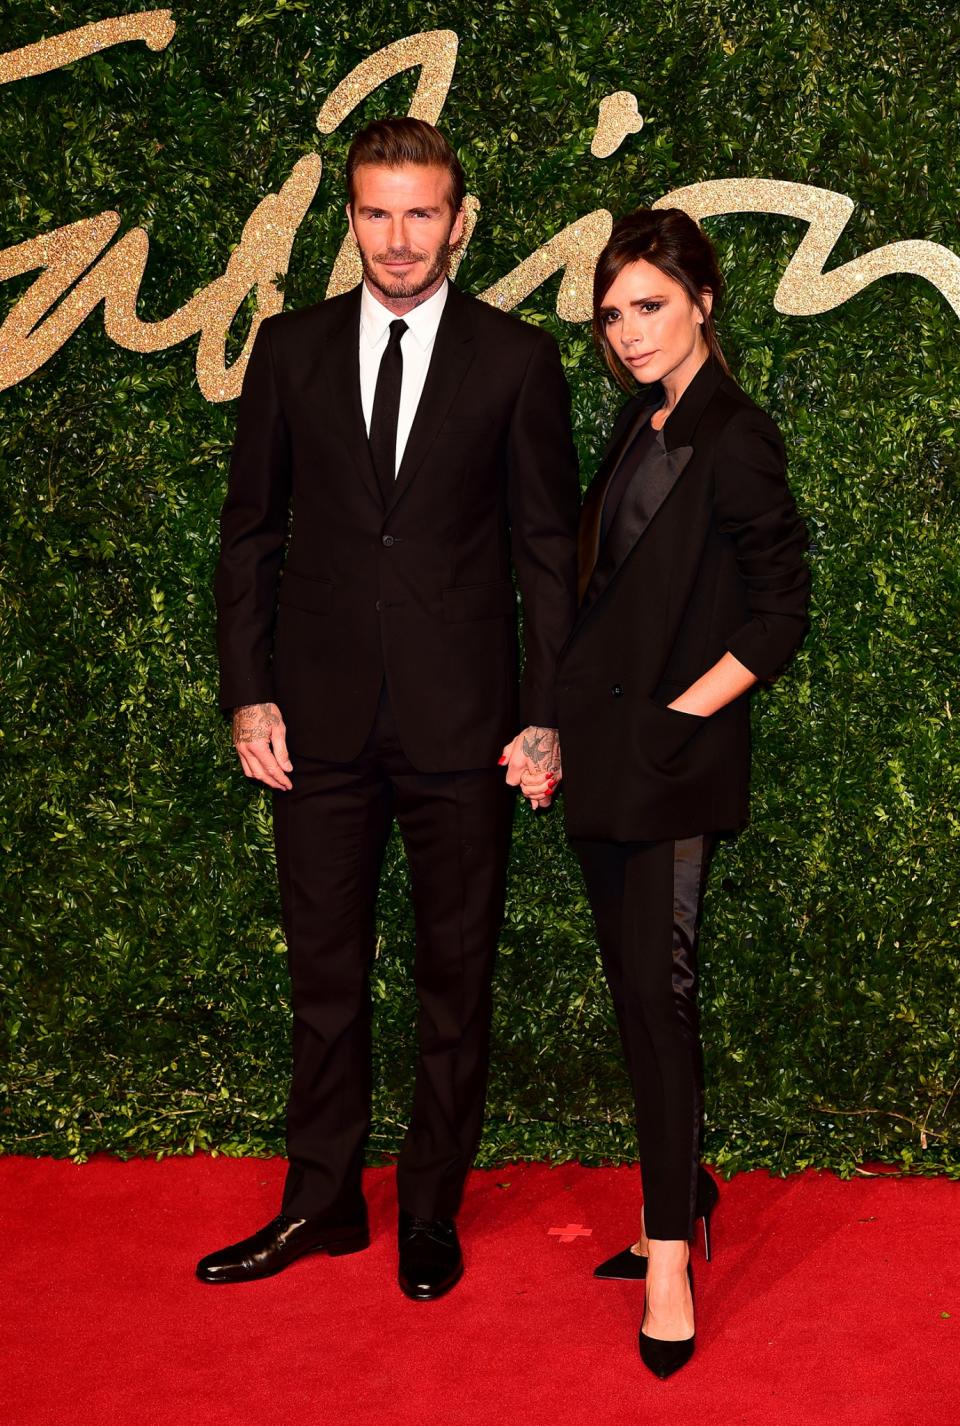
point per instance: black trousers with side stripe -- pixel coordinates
(646, 899)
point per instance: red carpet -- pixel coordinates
(826, 1302)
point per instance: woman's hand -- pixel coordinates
(532, 761)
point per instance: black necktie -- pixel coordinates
(386, 409)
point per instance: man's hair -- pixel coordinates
(390, 143)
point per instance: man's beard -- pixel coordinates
(411, 286)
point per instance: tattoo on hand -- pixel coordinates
(541, 748)
(254, 721)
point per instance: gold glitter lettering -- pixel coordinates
(155, 27)
(435, 51)
(262, 254)
(63, 255)
(617, 118)
(575, 249)
(805, 289)
(79, 269)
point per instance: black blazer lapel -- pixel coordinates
(588, 534)
(341, 362)
(453, 352)
(683, 420)
(661, 471)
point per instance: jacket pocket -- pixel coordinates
(666, 732)
(479, 601)
(299, 592)
(692, 718)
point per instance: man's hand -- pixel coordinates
(260, 739)
(533, 764)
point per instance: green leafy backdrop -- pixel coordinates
(143, 972)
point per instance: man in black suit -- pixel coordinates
(368, 651)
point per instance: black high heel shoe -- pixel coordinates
(628, 1266)
(665, 1358)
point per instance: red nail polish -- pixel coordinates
(501, 761)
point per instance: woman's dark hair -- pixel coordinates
(391, 143)
(669, 239)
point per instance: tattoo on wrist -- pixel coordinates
(254, 721)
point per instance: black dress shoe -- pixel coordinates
(430, 1258)
(278, 1245)
(628, 1266)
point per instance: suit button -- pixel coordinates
(388, 540)
(617, 690)
(377, 606)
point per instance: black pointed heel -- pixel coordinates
(628, 1266)
(708, 1196)
(665, 1358)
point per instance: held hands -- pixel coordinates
(532, 761)
(260, 738)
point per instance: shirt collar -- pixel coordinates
(422, 321)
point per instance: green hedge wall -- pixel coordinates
(143, 974)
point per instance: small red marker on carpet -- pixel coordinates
(571, 1233)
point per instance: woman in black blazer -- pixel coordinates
(693, 589)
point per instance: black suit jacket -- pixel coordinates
(322, 591)
(705, 554)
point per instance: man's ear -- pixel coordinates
(349, 213)
(456, 232)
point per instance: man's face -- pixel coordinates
(404, 226)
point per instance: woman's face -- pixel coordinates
(653, 326)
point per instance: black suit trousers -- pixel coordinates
(647, 899)
(331, 832)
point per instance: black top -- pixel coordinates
(640, 449)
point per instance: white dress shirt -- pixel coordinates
(416, 346)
